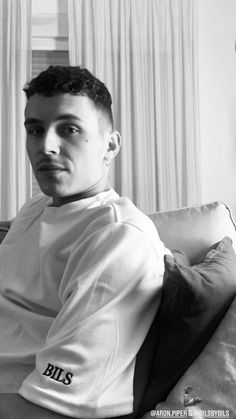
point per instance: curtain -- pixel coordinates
(146, 53)
(15, 70)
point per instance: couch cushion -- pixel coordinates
(195, 229)
(194, 300)
(211, 377)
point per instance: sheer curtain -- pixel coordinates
(15, 68)
(146, 53)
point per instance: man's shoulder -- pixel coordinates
(122, 211)
(37, 202)
(126, 212)
(30, 209)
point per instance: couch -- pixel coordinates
(191, 233)
(203, 375)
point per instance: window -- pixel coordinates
(42, 59)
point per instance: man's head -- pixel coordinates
(76, 81)
(70, 138)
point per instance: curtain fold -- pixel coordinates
(15, 70)
(146, 53)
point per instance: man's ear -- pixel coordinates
(114, 144)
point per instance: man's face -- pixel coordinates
(67, 145)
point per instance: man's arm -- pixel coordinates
(109, 293)
(13, 406)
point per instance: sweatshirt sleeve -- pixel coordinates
(110, 292)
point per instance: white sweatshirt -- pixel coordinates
(79, 287)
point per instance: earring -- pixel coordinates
(107, 162)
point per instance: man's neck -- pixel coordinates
(59, 201)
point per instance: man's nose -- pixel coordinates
(50, 143)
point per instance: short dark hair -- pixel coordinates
(74, 80)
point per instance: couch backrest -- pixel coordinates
(195, 229)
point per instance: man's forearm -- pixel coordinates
(13, 406)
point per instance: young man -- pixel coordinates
(81, 268)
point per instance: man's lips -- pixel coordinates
(50, 167)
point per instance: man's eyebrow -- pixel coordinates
(29, 121)
(66, 116)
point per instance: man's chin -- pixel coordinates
(54, 191)
(60, 195)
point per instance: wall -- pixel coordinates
(217, 87)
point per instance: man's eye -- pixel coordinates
(69, 130)
(34, 131)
